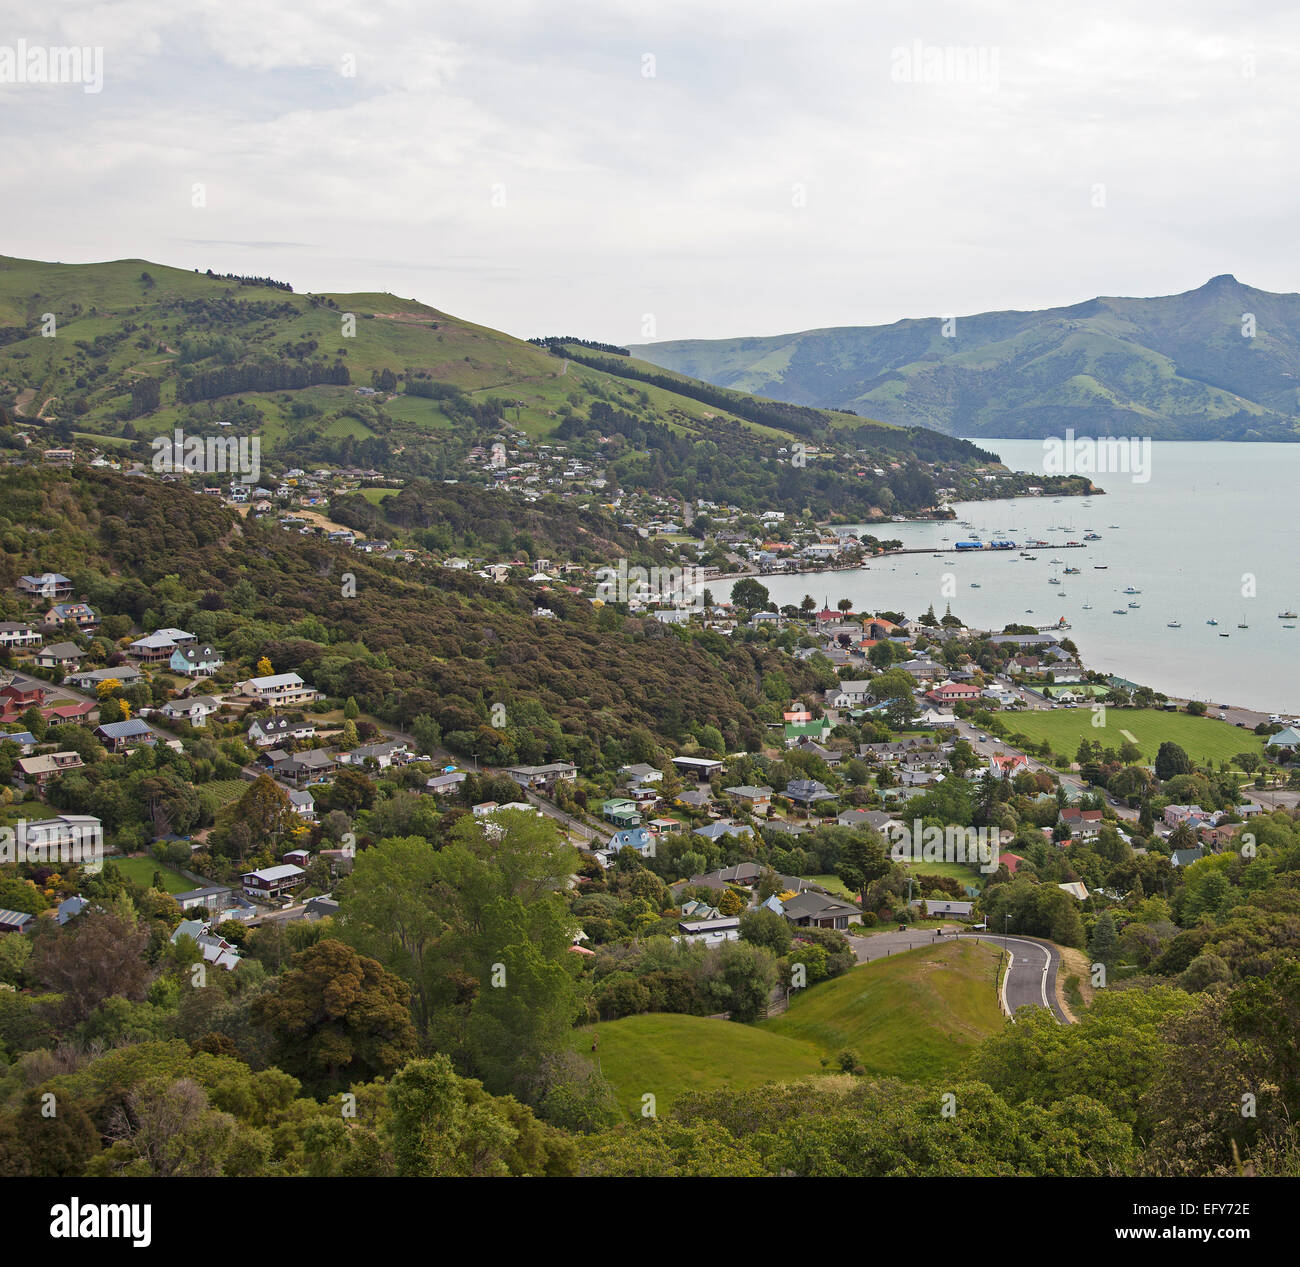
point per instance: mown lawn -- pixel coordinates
(912, 1015)
(1202, 738)
(666, 1054)
(141, 871)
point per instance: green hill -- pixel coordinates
(665, 1055)
(914, 1015)
(1173, 367)
(129, 350)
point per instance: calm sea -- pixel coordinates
(1214, 534)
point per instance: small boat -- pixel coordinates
(1134, 606)
(1173, 624)
(1071, 571)
(1054, 560)
(1087, 607)
(1112, 525)
(1286, 615)
(1243, 625)
(1029, 611)
(1092, 536)
(1130, 590)
(1225, 635)
(1288, 626)
(1054, 580)
(974, 585)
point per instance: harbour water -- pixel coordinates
(1214, 533)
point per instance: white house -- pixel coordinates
(279, 689)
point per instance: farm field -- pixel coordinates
(1202, 738)
(914, 1015)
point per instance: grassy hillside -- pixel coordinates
(129, 350)
(914, 1015)
(1175, 367)
(666, 1055)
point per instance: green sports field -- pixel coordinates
(1202, 738)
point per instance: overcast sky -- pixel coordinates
(668, 168)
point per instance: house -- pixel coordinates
(313, 766)
(160, 644)
(708, 932)
(215, 950)
(639, 776)
(18, 633)
(68, 713)
(273, 881)
(89, 679)
(38, 771)
(951, 692)
(723, 827)
(1084, 824)
(1217, 837)
(298, 857)
(700, 768)
(1288, 738)
(621, 812)
(808, 792)
(303, 804)
(80, 614)
(744, 874)
(544, 777)
(196, 711)
(65, 838)
(266, 731)
(195, 661)
(848, 694)
(1185, 857)
(937, 908)
(122, 736)
(754, 797)
(68, 909)
(694, 798)
(448, 781)
(279, 690)
(819, 910)
(1011, 861)
(213, 897)
(918, 776)
(1004, 764)
(25, 740)
(813, 730)
(637, 838)
(382, 754)
(60, 655)
(1076, 889)
(873, 818)
(828, 756)
(48, 585)
(15, 921)
(21, 698)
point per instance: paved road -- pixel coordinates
(1031, 979)
(1030, 982)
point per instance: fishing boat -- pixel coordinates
(1173, 624)
(1071, 571)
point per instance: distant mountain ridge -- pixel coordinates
(1221, 362)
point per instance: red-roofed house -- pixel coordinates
(1005, 764)
(1085, 824)
(951, 692)
(1011, 861)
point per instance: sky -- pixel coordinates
(641, 170)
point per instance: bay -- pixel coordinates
(1213, 533)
